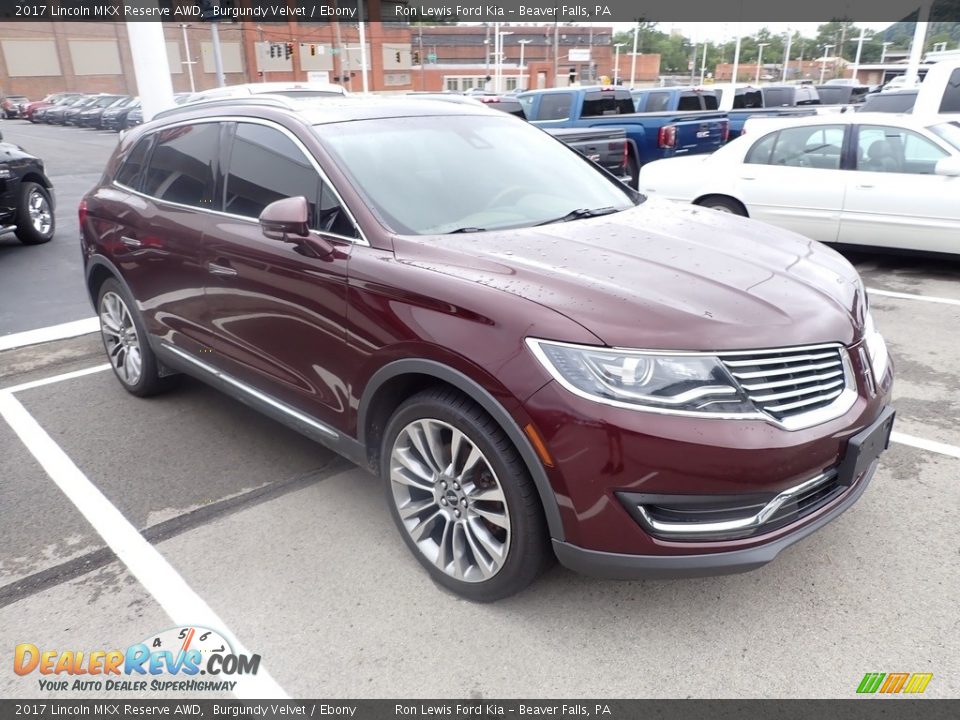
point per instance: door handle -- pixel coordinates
(130, 242)
(865, 187)
(221, 270)
(747, 177)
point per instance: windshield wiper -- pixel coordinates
(466, 230)
(581, 213)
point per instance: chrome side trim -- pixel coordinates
(221, 270)
(740, 526)
(254, 393)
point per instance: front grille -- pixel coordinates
(787, 383)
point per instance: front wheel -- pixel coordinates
(35, 221)
(462, 498)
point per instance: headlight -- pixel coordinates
(673, 383)
(876, 348)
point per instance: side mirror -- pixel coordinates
(949, 166)
(286, 217)
(287, 220)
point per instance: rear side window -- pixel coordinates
(689, 101)
(777, 97)
(710, 102)
(183, 166)
(747, 100)
(951, 95)
(555, 106)
(596, 104)
(131, 172)
(658, 102)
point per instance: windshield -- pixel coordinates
(468, 173)
(949, 131)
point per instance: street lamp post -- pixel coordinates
(883, 53)
(760, 47)
(786, 56)
(189, 63)
(633, 59)
(499, 58)
(823, 61)
(703, 62)
(616, 64)
(520, 85)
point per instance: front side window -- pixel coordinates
(265, 166)
(184, 165)
(658, 102)
(891, 149)
(555, 106)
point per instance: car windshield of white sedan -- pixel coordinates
(949, 131)
(469, 173)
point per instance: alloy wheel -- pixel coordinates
(120, 338)
(450, 500)
(38, 208)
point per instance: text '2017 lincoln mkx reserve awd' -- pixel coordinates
(537, 360)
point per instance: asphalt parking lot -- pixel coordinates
(229, 520)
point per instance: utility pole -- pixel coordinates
(703, 63)
(556, 52)
(736, 61)
(916, 47)
(423, 85)
(363, 47)
(693, 64)
(823, 61)
(633, 60)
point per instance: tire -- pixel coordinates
(485, 549)
(633, 170)
(723, 204)
(125, 340)
(36, 223)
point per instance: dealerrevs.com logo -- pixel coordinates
(894, 683)
(170, 661)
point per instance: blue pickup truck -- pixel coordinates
(650, 136)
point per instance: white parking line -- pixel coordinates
(909, 296)
(57, 378)
(923, 444)
(48, 334)
(143, 560)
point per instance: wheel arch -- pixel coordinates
(722, 196)
(401, 379)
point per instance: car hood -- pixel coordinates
(664, 276)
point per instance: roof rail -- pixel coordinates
(264, 100)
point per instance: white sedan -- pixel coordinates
(861, 178)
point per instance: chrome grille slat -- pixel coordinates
(775, 360)
(784, 383)
(794, 383)
(803, 403)
(797, 393)
(786, 371)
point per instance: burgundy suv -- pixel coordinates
(534, 358)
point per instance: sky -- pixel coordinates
(720, 32)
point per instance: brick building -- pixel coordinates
(40, 58)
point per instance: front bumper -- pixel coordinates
(621, 566)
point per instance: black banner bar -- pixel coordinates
(512, 11)
(872, 708)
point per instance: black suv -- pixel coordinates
(26, 196)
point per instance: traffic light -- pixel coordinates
(416, 57)
(289, 51)
(313, 50)
(273, 50)
(397, 55)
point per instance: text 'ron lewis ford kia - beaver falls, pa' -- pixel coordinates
(537, 360)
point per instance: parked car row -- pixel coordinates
(101, 111)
